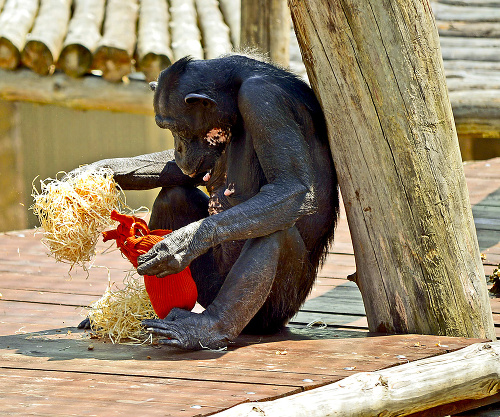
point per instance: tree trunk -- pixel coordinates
(376, 67)
(265, 25)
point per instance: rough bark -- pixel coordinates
(266, 27)
(44, 43)
(116, 47)
(84, 33)
(232, 15)
(153, 42)
(184, 30)
(16, 20)
(470, 373)
(214, 30)
(377, 70)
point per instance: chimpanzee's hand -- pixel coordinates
(187, 330)
(175, 252)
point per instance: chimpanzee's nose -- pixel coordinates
(163, 122)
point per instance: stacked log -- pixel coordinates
(232, 15)
(184, 29)
(84, 34)
(15, 22)
(115, 50)
(153, 43)
(478, 19)
(45, 41)
(214, 31)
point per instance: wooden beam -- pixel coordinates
(84, 34)
(86, 93)
(15, 22)
(153, 38)
(115, 50)
(377, 69)
(45, 41)
(472, 373)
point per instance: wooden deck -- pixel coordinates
(47, 367)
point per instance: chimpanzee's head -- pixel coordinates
(199, 111)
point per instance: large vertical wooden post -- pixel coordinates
(376, 67)
(265, 25)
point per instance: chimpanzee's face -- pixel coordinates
(195, 122)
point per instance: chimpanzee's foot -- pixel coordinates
(85, 324)
(187, 330)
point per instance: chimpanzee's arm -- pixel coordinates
(147, 171)
(284, 156)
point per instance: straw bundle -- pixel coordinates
(74, 210)
(118, 314)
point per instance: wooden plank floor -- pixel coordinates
(48, 369)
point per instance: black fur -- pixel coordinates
(273, 200)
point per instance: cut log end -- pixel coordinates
(9, 55)
(38, 57)
(113, 62)
(152, 64)
(75, 60)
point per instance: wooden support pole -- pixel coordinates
(44, 43)
(16, 20)
(115, 51)
(377, 69)
(265, 25)
(84, 34)
(153, 39)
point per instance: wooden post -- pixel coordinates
(265, 25)
(376, 67)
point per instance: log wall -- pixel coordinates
(114, 38)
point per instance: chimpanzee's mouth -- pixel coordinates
(197, 169)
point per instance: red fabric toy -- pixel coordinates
(134, 238)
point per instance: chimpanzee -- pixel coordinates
(255, 136)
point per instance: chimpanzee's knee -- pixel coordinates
(177, 207)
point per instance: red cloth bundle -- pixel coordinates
(134, 238)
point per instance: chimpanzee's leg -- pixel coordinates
(263, 283)
(177, 207)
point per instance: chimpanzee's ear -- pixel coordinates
(153, 85)
(199, 98)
